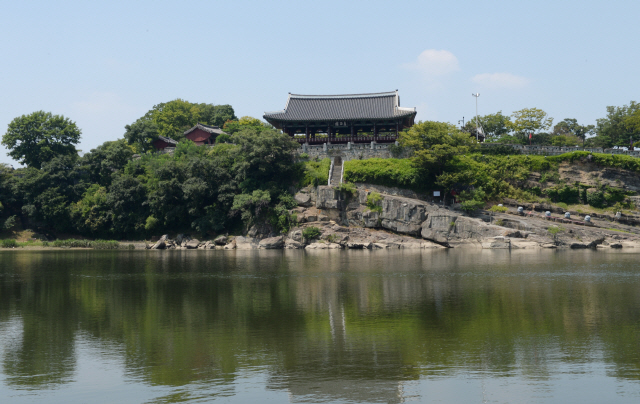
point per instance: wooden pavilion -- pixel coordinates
(355, 118)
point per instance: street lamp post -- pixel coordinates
(476, 95)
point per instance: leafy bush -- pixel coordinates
(223, 138)
(596, 199)
(8, 243)
(374, 202)
(10, 222)
(347, 188)
(498, 209)
(304, 156)
(95, 244)
(316, 173)
(388, 172)
(471, 205)
(151, 223)
(311, 232)
(566, 194)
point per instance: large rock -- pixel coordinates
(231, 245)
(272, 243)
(293, 244)
(497, 243)
(192, 244)
(161, 244)
(246, 243)
(323, 246)
(329, 198)
(404, 215)
(444, 227)
(303, 199)
(221, 240)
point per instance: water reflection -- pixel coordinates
(323, 325)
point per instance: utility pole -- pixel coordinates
(462, 123)
(476, 95)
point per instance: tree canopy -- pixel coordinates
(40, 136)
(530, 120)
(434, 143)
(171, 119)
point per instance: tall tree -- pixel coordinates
(571, 127)
(530, 120)
(435, 143)
(618, 126)
(494, 126)
(38, 137)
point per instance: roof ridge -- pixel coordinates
(363, 95)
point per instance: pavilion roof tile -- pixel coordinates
(341, 107)
(206, 128)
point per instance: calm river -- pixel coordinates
(323, 326)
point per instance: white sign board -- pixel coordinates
(436, 193)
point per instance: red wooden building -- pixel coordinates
(203, 134)
(163, 142)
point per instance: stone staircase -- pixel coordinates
(337, 173)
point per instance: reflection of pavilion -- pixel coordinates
(355, 118)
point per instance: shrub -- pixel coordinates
(566, 194)
(388, 172)
(151, 223)
(596, 199)
(8, 243)
(96, 244)
(223, 138)
(10, 222)
(498, 209)
(316, 173)
(374, 202)
(311, 232)
(471, 205)
(304, 156)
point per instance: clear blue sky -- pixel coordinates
(105, 63)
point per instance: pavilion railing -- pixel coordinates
(347, 139)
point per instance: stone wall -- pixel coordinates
(557, 150)
(349, 151)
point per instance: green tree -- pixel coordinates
(141, 134)
(38, 137)
(171, 119)
(495, 125)
(570, 127)
(105, 160)
(435, 143)
(618, 126)
(530, 120)
(233, 126)
(216, 115)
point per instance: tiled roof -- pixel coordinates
(341, 107)
(167, 140)
(206, 128)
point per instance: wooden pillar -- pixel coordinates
(352, 128)
(397, 128)
(329, 134)
(306, 134)
(375, 131)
